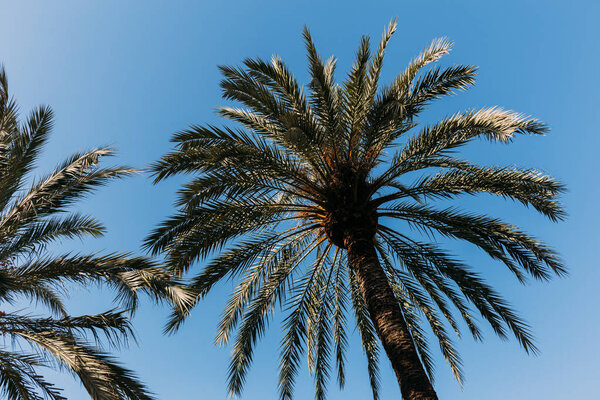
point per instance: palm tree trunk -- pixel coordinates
(388, 319)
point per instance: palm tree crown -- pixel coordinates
(299, 207)
(31, 218)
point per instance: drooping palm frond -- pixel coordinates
(33, 215)
(19, 378)
(273, 205)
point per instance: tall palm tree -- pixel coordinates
(300, 206)
(31, 217)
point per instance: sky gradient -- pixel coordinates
(129, 74)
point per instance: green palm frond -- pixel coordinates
(251, 283)
(261, 305)
(521, 253)
(20, 380)
(411, 314)
(102, 377)
(24, 148)
(295, 325)
(36, 235)
(367, 335)
(325, 97)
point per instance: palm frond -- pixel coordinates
(20, 381)
(24, 148)
(502, 241)
(324, 99)
(71, 181)
(367, 332)
(255, 319)
(102, 377)
(34, 237)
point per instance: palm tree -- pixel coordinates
(300, 208)
(31, 218)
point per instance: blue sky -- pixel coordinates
(129, 74)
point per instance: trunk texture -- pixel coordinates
(388, 319)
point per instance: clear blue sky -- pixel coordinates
(129, 74)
